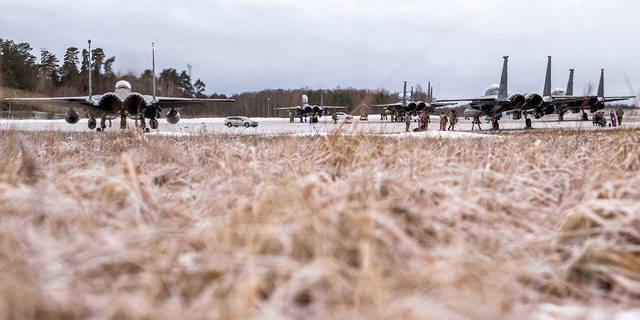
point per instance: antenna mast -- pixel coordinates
(153, 69)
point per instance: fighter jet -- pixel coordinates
(305, 109)
(495, 100)
(123, 103)
(595, 103)
(406, 103)
(560, 101)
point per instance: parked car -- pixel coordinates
(236, 121)
(343, 116)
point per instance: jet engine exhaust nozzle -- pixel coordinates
(517, 100)
(533, 100)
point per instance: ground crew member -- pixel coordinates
(613, 118)
(335, 118)
(476, 120)
(599, 119)
(619, 114)
(291, 117)
(407, 121)
(425, 121)
(443, 121)
(454, 119)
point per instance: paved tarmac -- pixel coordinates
(374, 125)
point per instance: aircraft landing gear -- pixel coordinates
(527, 123)
(103, 123)
(517, 115)
(153, 123)
(142, 125)
(123, 121)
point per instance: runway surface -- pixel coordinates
(282, 126)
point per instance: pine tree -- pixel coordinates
(199, 88)
(185, 85)
(48, 71)
(69, 73)
(19, 69)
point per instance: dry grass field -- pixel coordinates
(538, 225)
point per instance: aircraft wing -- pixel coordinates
(568, 99)
(571, 99)
(58, 100)
(443, 103)
(618, 98)
(175, 101)
(397, 104)
(580, 98)
(479, 99)
(333, 107)
(84, 100)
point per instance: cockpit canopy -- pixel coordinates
(408, 95)
(123, 84)
(492, 90)
(557, 92)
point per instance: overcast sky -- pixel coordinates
(249, 45)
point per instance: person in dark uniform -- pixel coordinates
(453, 120)
(619, 115)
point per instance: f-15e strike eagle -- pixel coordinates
(123, 103)
(496, 100)
(305, 109)
(407, 104)
(559, 101)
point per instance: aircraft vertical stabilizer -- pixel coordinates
(546, 92)
(601, 84)
(431, 94)
(502, 92)
(404, 94)
(569, 91)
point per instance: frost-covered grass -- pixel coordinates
(130, 226)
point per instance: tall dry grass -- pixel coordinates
(129, 226)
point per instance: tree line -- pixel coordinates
(20, 69)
